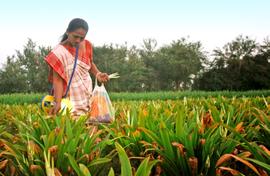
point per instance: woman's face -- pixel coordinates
(75, 37)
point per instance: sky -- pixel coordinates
(212, 22)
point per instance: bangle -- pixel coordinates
(55, 102)
(98, 74)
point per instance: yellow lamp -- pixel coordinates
(66, 106)
(48, 102)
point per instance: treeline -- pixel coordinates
(242, 64)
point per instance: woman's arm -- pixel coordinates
(101, 77)
(58, 92)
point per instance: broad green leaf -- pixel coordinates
(125, 163)
(44, 124)
(99, 161)
(262, 164)
(74, 165)
(111, 172)
(145, 167)
(142, 169)
(179, 123)
(84, 170)
(165, 141)
(69, 131)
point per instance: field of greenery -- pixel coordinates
(35, 98)
(188, 135)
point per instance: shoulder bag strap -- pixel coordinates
(75, 63)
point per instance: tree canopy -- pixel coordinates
(242, 64)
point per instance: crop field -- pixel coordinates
(200, 135)
(34, 98)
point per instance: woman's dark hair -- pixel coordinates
(74, 24)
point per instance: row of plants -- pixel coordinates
(34, 98)
(206, 136)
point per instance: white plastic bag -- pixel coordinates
(101, 109)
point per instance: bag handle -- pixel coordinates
(75, 64)
(96, 83)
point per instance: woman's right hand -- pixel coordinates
(102, 77)
(58, 92)
(56, 108)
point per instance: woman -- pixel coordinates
(61, 61)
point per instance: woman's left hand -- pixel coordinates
(102, 77)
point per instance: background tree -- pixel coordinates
(255, 72)
(176, 63)
(109, 59)
(27, 71)
(147, 55)
(124, 61)
(33, 65)
(13, 79)
(241, 65)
